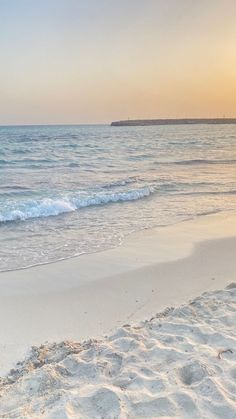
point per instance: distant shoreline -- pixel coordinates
(184, 121)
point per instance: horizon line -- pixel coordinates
(117, 120)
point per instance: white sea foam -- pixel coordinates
(46, 207)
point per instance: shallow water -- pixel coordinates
(68, 190)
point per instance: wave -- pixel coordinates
(73, 164)
(209, 212)
(47, 207)
(206, 193)
(204, 161)
(13, 187)
(196, 162)
(118, 183)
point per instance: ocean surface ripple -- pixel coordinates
(68, 190)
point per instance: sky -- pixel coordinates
(95, 61)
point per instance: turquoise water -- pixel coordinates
(69, 190)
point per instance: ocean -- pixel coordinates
(70, 190)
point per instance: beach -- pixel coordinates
(115, 293)
(117, 210)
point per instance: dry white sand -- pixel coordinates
(181, 363)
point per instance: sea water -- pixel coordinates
(69, 190)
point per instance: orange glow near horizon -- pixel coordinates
(87, 63)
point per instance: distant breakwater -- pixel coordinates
(185, 121)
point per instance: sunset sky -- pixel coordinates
(94, 61)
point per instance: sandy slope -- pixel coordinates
(181, 363)
(92, 295)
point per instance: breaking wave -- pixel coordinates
(46, 207)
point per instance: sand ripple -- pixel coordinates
(181, 363)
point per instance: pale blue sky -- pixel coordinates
(74, 61)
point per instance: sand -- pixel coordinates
(94, 295)
(89, 296)
(181, 363)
